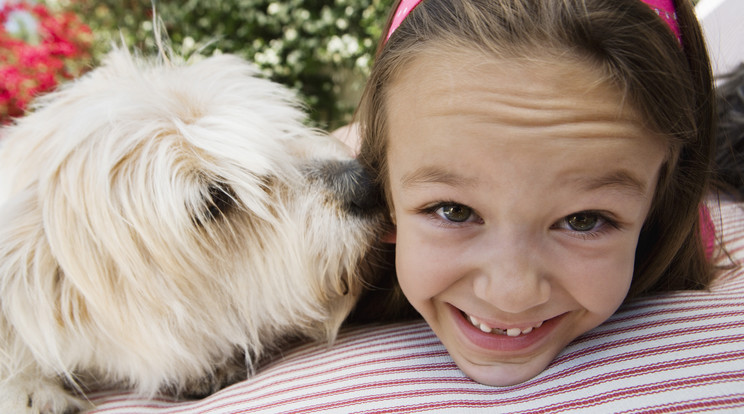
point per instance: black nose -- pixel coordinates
(349, 184)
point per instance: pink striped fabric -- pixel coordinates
(678, 352)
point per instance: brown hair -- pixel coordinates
(636, 51)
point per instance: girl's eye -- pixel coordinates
(450, 213)
(583, 221)
(587, 223)
(455, 212)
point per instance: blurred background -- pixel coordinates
(322, 49)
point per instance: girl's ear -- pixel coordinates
(391, 232)
(389, 236)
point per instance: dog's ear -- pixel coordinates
(21, 234)
(28, 271)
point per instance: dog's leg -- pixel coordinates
(38, 397)
(233, 370)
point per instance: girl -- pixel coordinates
(542, 162)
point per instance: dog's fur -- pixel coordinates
(159, 221)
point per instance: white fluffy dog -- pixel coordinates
(161, 223)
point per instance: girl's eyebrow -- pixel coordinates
(623, 180)
(433, 174)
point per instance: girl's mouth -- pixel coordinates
(507, 341)
(513, 331)
(512, 339)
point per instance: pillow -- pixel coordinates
(681, 351)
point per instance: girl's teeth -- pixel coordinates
(509, 332)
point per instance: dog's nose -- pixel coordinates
(349, 184)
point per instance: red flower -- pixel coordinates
(28, 69)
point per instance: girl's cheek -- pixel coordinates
(421, 262)
(600, 283)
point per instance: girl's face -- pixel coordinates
(519, 192)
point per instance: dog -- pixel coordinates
(165, 224)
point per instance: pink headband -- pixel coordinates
(404, 8)
(664, 8)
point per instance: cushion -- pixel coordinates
(681, 351)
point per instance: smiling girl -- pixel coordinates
(542, 161)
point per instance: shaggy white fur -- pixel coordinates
(162, 221)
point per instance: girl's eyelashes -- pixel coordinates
(582, 224)
(587, 223)
(451, 212)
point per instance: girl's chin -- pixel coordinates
(503, 374)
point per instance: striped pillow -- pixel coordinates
(675, 352)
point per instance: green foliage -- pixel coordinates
(321, 49)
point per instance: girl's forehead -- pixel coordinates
(554, 69)
(442, 106)
(532, 91)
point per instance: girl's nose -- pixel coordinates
(512, 275)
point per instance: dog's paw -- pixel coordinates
(14, 401)
(49, 399)
(234, 370)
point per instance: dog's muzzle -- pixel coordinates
(349, 183)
